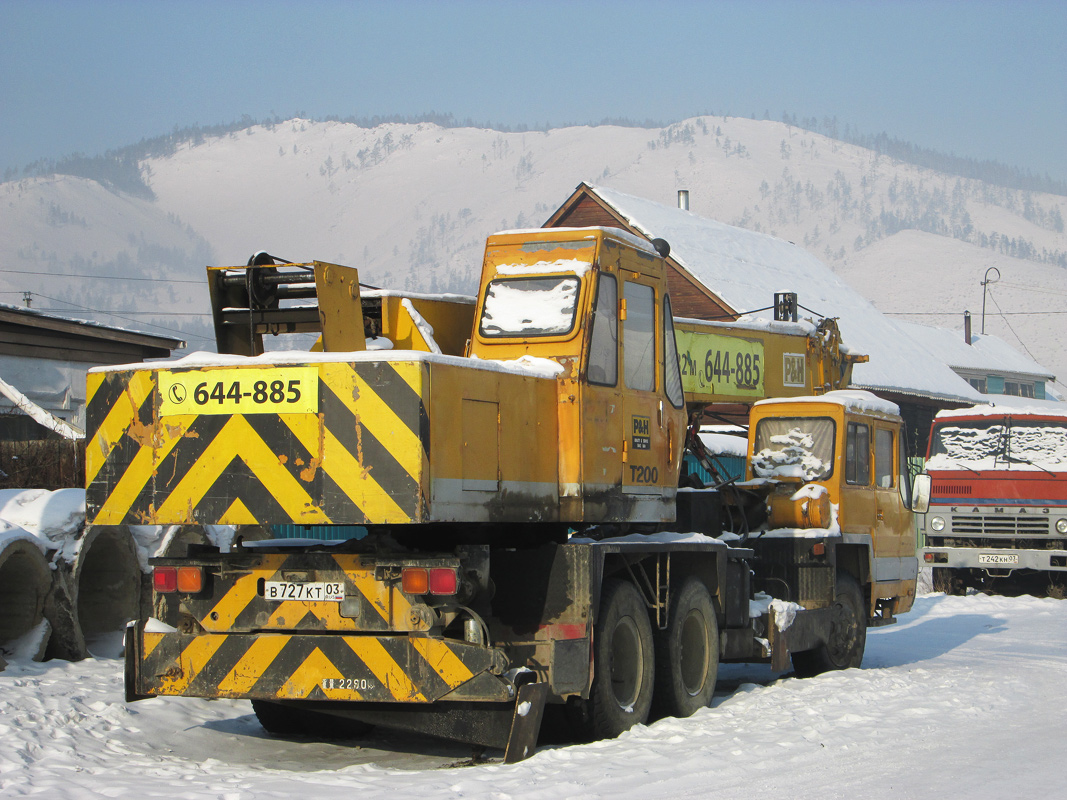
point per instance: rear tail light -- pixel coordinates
(443, 580)
(190, 579)
(166, 580)
(434, 580)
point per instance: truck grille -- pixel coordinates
(1000, 524)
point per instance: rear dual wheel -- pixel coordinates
(633, 669)
(687, 653)
(623, 661)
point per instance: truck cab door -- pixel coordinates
(602, 411)
(894, 535)
(646, 421)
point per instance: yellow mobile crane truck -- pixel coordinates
(501, 486)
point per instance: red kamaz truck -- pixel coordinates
(998, 510)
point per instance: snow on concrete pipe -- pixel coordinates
(24, 583)
(95, 593)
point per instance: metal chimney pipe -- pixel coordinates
(967, 327)
(683, 199)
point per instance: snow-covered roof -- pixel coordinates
(89, 328)
(986, 353)
(745, 269)
(1002, 404)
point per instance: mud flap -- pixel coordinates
(797, 632)
(526, 723)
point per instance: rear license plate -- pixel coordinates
(998, 558)
(315, 590)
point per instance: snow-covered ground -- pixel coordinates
(964, 698)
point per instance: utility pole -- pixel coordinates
(985, 283)
(27, 298)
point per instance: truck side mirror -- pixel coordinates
(920, 494)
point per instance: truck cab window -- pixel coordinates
(639, 337)
(795, 447)
(903, 476)
(603, 364)
(883, 458)
(858, 454)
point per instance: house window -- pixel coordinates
(1018, 389)
(978, 384)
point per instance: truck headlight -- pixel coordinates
(937, 523)
(1061, 525)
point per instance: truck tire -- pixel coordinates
(623, 662)
(687, 653)
(280, 719)
(847, 637)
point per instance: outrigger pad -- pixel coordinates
(526, 724)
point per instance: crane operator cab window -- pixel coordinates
(538, 306)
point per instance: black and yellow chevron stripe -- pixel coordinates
(359, 460)
(235, 601)
(367, 668)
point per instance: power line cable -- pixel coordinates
(953, 313)
(1010, 328)
(97, 277)
(119, 316)
(142, 313)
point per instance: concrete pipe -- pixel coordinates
(24, 582)
(96, 594)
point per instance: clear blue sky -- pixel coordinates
(980, 79)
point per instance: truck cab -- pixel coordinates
(841, 469)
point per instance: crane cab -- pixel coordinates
(594, 301)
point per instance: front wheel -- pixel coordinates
(847, 636)
(946, 580)
(623, 665)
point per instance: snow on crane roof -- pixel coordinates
(852, 399)
(613, 233)
(746, 268)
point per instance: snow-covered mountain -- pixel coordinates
(410, 205)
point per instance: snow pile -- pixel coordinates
(960, 682)
(724, 444)
(425, 328)
(201, 360)
(998, 444)
(572, 265)
(56, 519)
(784, 610)
(790, 457)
